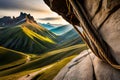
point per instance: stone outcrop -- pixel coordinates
(87, 66)
(99, 16)
(100, 21)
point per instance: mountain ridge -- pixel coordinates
(8, 21)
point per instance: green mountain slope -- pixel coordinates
(28, 37)
(10, 58)
(41, 61)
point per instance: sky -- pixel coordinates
(36, 8)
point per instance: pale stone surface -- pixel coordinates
(91, 8)
(110, 32)
(87, 66)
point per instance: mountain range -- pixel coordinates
(24, 34)
(66, 34)
(28, 47)
(7, 21)
(27, 36)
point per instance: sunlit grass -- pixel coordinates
(28, 37)
(33, 35)
(48, 73)
(51, 72)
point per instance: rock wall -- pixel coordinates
(87, 66)
(103, 14)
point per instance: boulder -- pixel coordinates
(86, 66)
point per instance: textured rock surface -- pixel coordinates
(87, 66)
(103, 14)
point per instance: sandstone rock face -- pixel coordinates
(87, 66)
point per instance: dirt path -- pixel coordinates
(31, 75)
(28, 59)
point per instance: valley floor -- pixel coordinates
(32, 75)
(42, 67)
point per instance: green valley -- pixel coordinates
(32, 51)
(54, 57)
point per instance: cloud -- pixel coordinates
(33, 5)
(49, 18)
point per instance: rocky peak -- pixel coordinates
(23, 17)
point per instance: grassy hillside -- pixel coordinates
(50, 73)
(66, 35)
(41, 61)
(27, 37)
(10, 58)
(70, 38)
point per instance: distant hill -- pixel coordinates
(47, 26)
(66, 34)
(60, 30)
(69, 38)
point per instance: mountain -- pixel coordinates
(60, 30)
(69, 38)
(70, 34)
(66, 34)
(27, 37)
(50, 26)
(7, 21)
(47, 26)
(24, 34)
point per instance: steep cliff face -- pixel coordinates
(100, 20)
(87, 66)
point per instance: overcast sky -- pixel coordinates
(36, 8)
